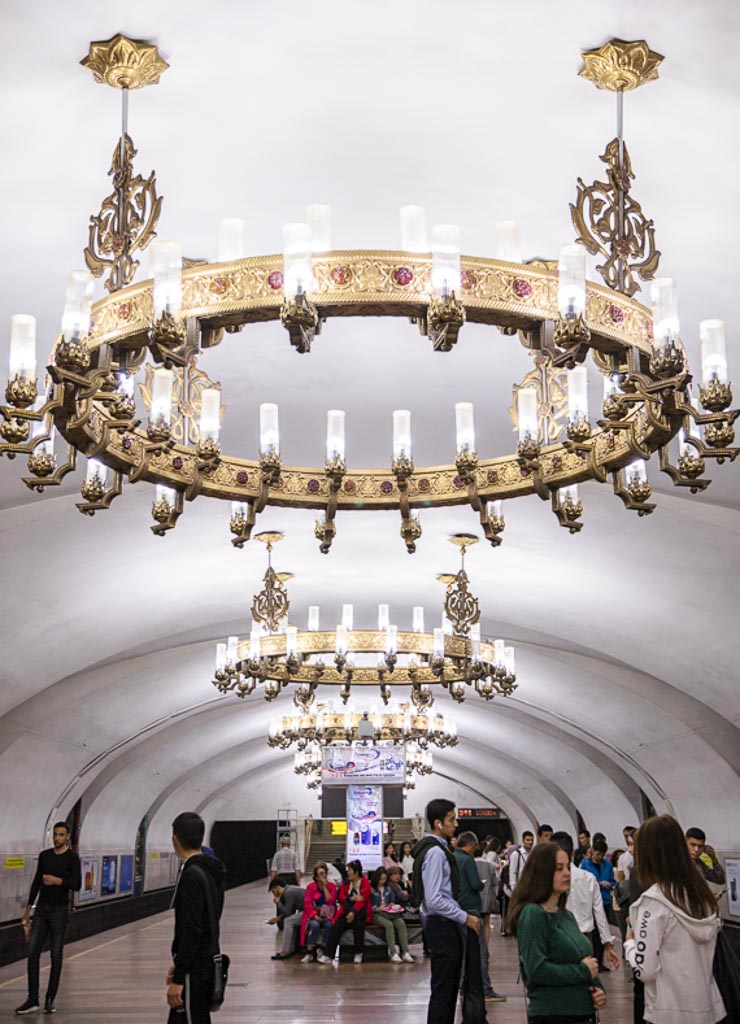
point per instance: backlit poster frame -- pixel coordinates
(90, 870)
(126, 875)
(109, 875)
(360, 763)
(365, 825)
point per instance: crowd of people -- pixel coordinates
(566, 905)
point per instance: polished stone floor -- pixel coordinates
(119, 977)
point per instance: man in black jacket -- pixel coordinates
(201, 883)
(57, 875)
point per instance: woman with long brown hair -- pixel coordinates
(674, 929)
(559, 972)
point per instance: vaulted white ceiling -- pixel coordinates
(626, 634)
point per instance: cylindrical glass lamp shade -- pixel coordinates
(391, 639)
(578, 394)
(508, 241)
(383, 616)
(475, 642)
(636, 472)
(161, 408)
(77, 305)
(414, 229)
(446, 260)
(291, 640)
(165, 263)
(269, 428)
(318, 219)
(96, 468)
(401, 433)
(496, 508)
(665, 312)
(526, 407)
(569, 493)
(232, 650)
(297, 267)
(509, 659)
(335, 447)
(255, 647)
(713, 352)
(313, 618)
(341, 639)
(464, 426)
(498, 652)
(231, 240)
(348, 612)
(220, 657)
(572, 281)
(23, 346)
(164, 493)
(439, 643)
(239, 508)
(418, 620)
(210, 413)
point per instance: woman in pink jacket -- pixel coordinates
(319, 907)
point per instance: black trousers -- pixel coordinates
(51, 921)
(196, 999)
(447, 952)
(339, 927)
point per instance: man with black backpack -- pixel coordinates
(198, 902)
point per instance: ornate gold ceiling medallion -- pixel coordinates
(621, 66)
(125, 63)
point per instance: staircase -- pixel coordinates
(324, 846)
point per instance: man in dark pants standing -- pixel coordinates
(201, 882)
(447, 927)
(57, 875)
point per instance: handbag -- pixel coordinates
(327, 911)
(221, 961)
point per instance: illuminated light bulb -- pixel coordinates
(77, 305)
(713, 352)
(23, 346)
(665, 312)
(335, 446)
(161, 408)
(210, 413)
(577, 394)
(297, 265)
(464, 426)
(401, 433)
(269, 428)
(526, 405)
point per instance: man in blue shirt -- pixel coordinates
(447, 927)
(603, 872)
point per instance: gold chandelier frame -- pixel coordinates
(652, 405)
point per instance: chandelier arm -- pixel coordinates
(45, 474)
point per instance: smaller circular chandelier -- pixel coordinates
(327, 727)
(453, 656)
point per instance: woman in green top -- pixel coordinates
(559, 971)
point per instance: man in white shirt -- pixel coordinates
(517, 860)
(585, 902)
(285, 862)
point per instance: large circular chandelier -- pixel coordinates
(328, 726)
(454, 656)
(560, 317)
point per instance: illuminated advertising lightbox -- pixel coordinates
(357, 763)
(126, 874)
(108, 876)
(365, 825)
(90, 867)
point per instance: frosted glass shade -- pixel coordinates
(318, 219)
(572, 281)
(401, 433)
(446, 259)
(335, 443)
(269, 428)
(77, 305)
(418, 620)
(664, 301)
(526, 407)
(414, 229)
(464, 426)
(231, 240)
(210, 413)
(508, 241)
(165, 264)
(23, 346)
(578, 394)
(713, 352)
(162, 381)
(297, 266)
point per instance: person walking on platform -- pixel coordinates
(57, 877)
(448, 929)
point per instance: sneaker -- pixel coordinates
(49, 1006)
(307, 959)
(494, 997)
(29, 1006)
(394, 958)
(323, 959)
(408, 958)
(357, 959)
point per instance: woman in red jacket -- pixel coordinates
(355, 910)
(319, 908)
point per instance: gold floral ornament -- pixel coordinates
(621, 66)
(124, 63)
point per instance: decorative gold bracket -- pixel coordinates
(634, 495)
(98, 498)
(443, 321)
(301, 320)
(325, 530)
(165, 514)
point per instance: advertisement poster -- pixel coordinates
(732, 870)
(126, 882)
(357, 763)
(89, 888)
(365, 825)
(108, 876)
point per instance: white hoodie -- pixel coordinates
(672, 955)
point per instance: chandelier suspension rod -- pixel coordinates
(620, 207)
(122, 225)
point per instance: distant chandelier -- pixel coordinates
(308, 761)
(454, 656)
(555, 313)
(327, 726)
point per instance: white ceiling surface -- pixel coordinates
(626, 634)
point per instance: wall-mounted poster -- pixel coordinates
(109, 876)
(732, 871)
(90, 869)
(365, 825)
(126, 874)
(342, 765)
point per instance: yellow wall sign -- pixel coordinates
(155, 855)
(14, 862)
(339, 828)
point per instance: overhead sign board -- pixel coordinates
(357, 763)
